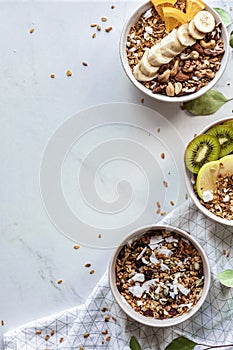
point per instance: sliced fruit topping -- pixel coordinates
(139, 75)
(172, 12)
(193, 7)
(146, 68)
(226, 165)
(224, 134)
(156, 58)
(202, 149)
(209, 174)
(183, 35)
(204, 21)
(161, 2)
(194, 32)
(170, 46)
(206, 178)
(229, 123)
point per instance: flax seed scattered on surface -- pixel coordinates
(108, 29)
(158, 204)
(52, 75)
(104, 19)
(105, 332)
(31, 30)
(114, 318)
(2, 323)
(158, 211)
(86, 335)
(104, 309)
(93, 35)
(165, 184)
(52, 332)
(102, 342)
(163, 213)
(38, 332)
(162, 155)
(61, 340)
(76, 246)
(81, 348)
(107, 318)
(92, 25)
(186, 196)
(59, 281)
(47, 337)
(99, 28)
(158, 130)
(91, 272)
(99, 235)
(142, 100)
(172, 203)
(87, 265)
(84, 63)
(112, 7)
(68, 73)
(108, 338)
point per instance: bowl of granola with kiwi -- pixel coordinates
(209, 171)
(159, 275)
(174, 50)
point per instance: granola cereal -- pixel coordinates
(187, 72)
(160, 274)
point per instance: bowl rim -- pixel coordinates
(153, 322)
(188, 175)
(124, 60)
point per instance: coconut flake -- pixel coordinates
(207, 196)
(154, 241)
(138, 277)
(153, 259)
(141, 254)
(171, 239)
(164, 267)
(148, 13)
(146, 262)
(182, 289)
(137, 291)
(189, 305)
(149, 30)
(226, 198)
(139, 303)
(165, 251)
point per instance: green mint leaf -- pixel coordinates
(225, 16)
(226, 278)
(206, 104)
(181, 343)
(134, 344)
(231, 39)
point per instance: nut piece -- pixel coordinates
(208, 45)
(205, 73)
(197, 47)
(193, 55)
(164, 77)
(170, 90)
(178, 88)
(175, 68)
(181, 77)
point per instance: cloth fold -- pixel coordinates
(101, 324)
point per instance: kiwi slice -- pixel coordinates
(229, 123)
(202, 149)
(224, 134)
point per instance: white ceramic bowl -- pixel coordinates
(132, 20)
(154, 322)
(189, 185)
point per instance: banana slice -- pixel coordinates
(204, 21)
(140, 76)
(183, 35)
(145, 67)
(196, 34)
(170, 46)
(156, 58)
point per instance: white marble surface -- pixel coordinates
(34, 254)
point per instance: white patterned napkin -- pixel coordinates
(100, 323)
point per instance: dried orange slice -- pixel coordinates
(171, 23)
(171, 13)
(161, 2)
(193, 7)
(159, 9)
